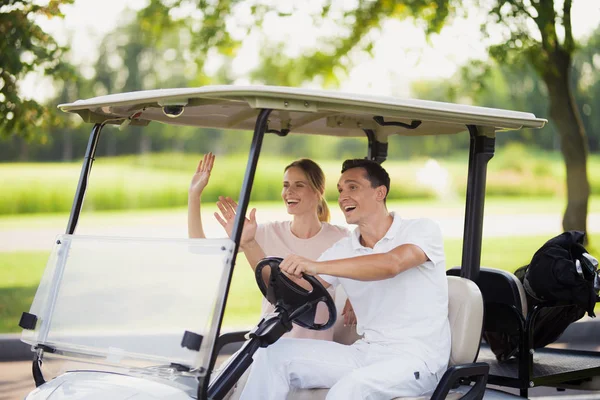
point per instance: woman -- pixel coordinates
(308, 234)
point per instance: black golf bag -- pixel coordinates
(564, 279)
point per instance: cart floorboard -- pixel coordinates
(548, 364)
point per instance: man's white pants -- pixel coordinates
(360, 371)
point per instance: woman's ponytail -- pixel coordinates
(323, 210)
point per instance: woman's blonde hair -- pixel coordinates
(316, 179)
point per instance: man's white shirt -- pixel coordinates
(410, 310)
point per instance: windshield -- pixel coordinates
(129, 301)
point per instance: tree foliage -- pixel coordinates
(531, 32)
(333, 56)
(25, 48)
(163, 56)
(540, 31)
(167, 36)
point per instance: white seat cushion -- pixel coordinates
(465, 313)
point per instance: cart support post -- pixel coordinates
(481, 151)
(259, 132)
(88, 160)
(86, 168)
(377, 150)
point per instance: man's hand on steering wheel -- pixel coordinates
(296, 265)
(300, 302)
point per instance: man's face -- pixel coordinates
(357, 199)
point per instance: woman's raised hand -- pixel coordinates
(227, 207)
(202, 175)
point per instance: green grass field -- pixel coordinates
(161, 180)
(20, 273)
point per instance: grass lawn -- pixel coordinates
(20, 273)
(161, 180)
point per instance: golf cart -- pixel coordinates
(144, 315)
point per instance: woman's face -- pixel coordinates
(297, 194)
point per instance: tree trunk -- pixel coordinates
(573, 142)
(67, 150)
(178, 144)
(23, 149)
(145, 144)
(111, 144)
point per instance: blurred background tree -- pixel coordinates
(549, 49)
(535, 66)
(537, 33)
(26, 48)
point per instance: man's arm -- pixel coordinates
(372, 267)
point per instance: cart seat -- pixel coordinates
(506, 313)
(465, 313)
(499, 287)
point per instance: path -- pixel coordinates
(173, 224)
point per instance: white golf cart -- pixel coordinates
(145, 315)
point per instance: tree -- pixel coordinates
(145, 52)
(552, 58)
(531, 29)
(26, 48)
(586, 79)
(531, 34)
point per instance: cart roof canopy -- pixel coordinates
(296, 110)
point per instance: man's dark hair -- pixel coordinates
(374, 172)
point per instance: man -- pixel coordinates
(393, 271)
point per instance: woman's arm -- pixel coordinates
(253, 252)
(199, 182)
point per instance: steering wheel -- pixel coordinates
(299, 302)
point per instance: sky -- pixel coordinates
(402, 53)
